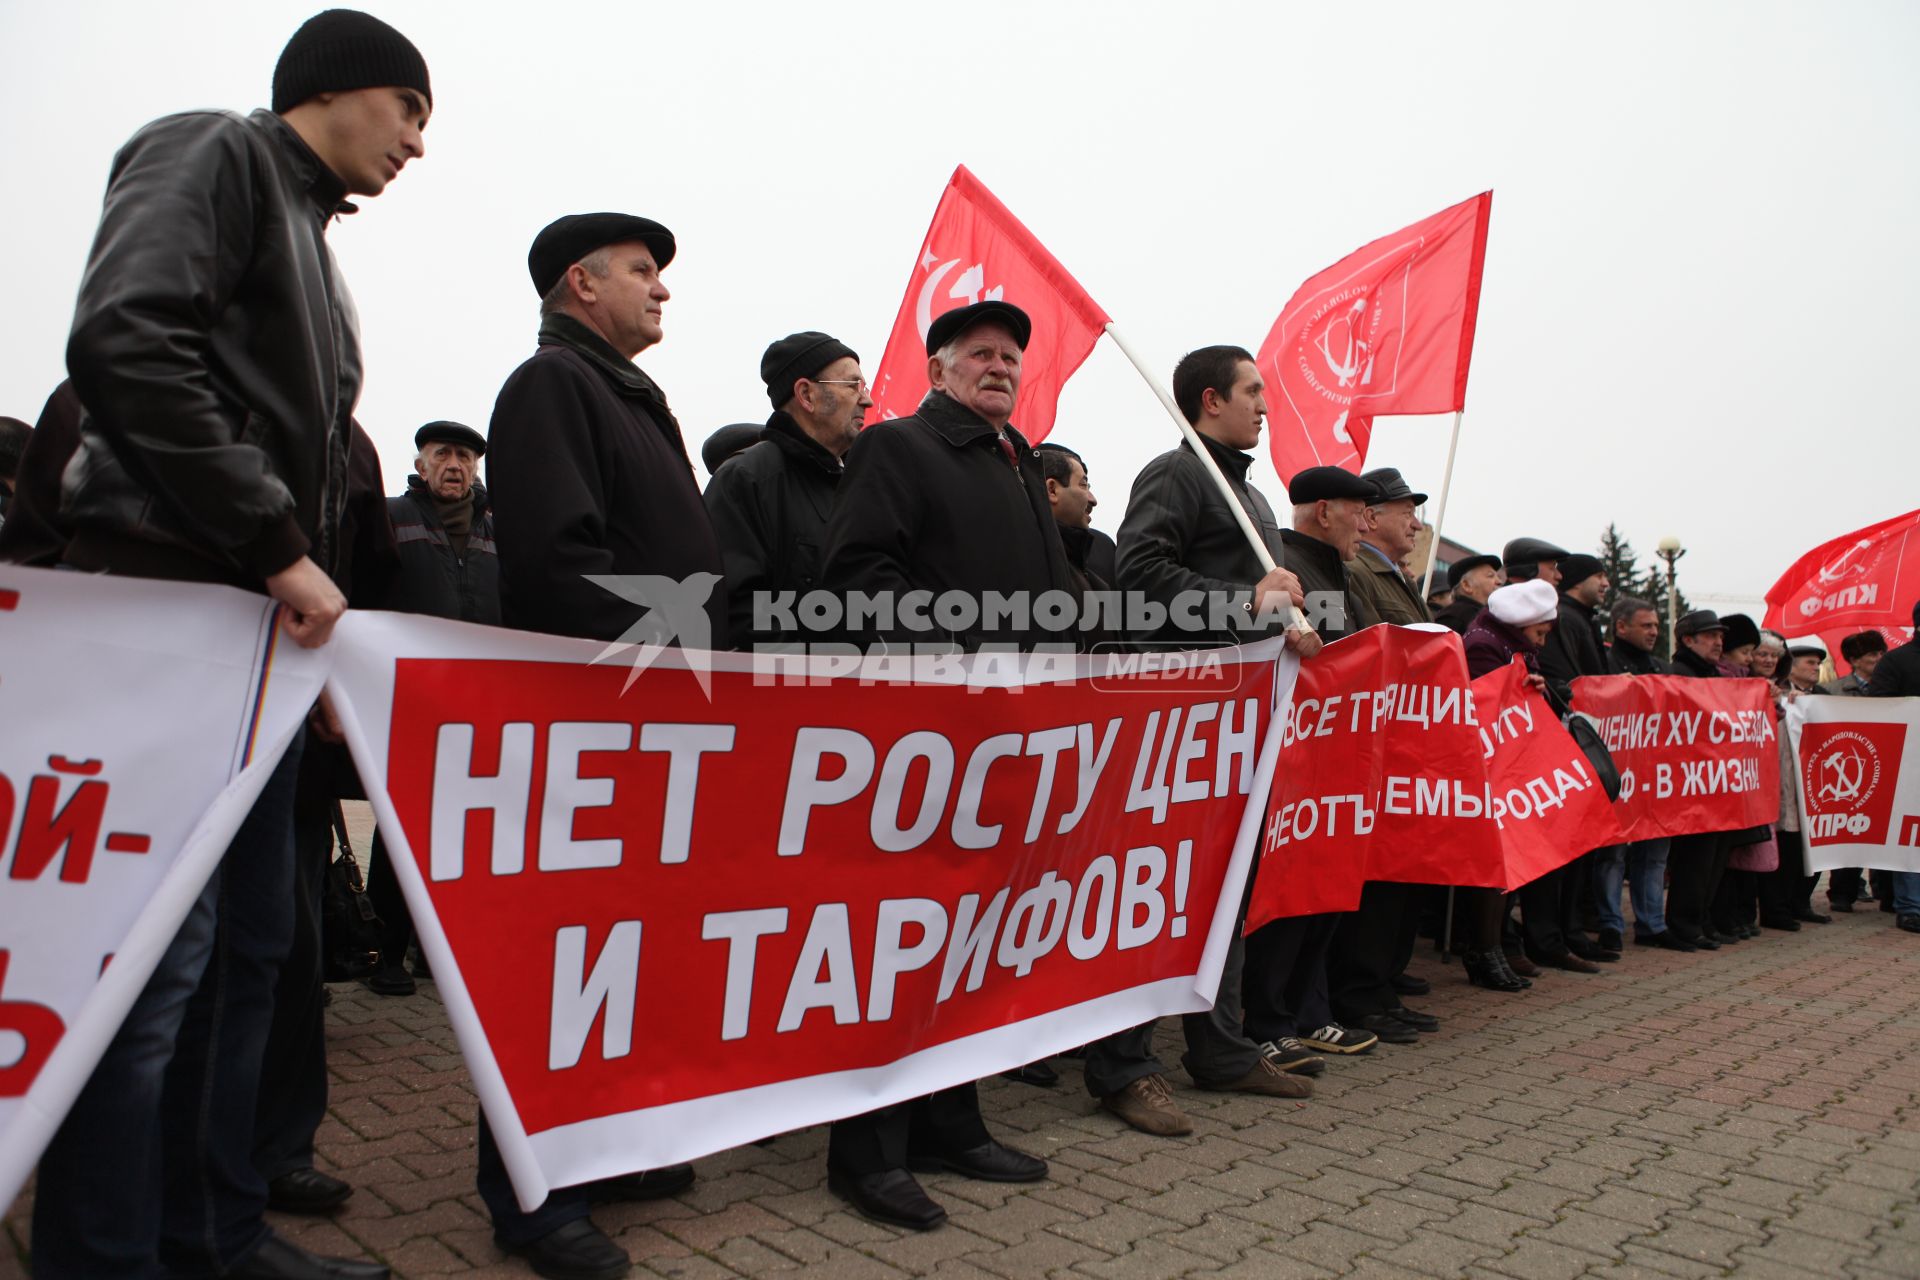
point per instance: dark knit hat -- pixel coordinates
(727, 441)
(796, 356)
(566, 240)
(1577, 568)
(344, 49)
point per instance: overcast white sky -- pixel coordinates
(1700, 278)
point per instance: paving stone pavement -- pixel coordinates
(1754, 1112)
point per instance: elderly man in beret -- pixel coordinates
(590, 477)
(1391, 533)
(770, 503)
(1472, 579)
(947, 500)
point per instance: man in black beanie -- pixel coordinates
(208, 455)
(769, 505)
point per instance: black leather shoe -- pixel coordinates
(1038, 1074)
(1387, 1027)
(1609, 940)
(389, 980)
(989, 1162)
(1724, 939)
(648, 1184)
(1415, 1018)
(278, 1259)
(1408, 985)
(1786, 924)
(893, 1196)
(1909, 923)
(577, 1251)
(1835, 905)
(1667, 939)
(1807, 915)
(307, 1191)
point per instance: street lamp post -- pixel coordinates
(1670, 550)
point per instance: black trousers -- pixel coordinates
(383, 889)
(1285, 983)
(1544, 904)
(293, 1071)
(1788, 889)
(1695, 865)
(1366, 945)
(947, 1121)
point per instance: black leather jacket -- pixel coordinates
(217, 357)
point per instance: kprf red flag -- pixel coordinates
(977, 251)
(1867, 578)
(1387, 329)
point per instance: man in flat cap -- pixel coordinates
(949, 499)
(727, 443)
(1179, 541)
(590, 477)
(1374, 943)
(1695, 863)
(1527, 558)
(1392, 530)
(1472, 579)
(770, 504)
(208, 454)
(447, 568)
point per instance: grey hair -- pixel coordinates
(1626, 606)
(1773, 640)
(599, 264)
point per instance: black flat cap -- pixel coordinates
(796, 356)
(1530, 552)
(566, 240)
(1392, 486)
(1699, 622)
(1577, 568)
(450, 433)
(1806, 651)
(726, 442)
(946, 328)
(1323, 484)
(1462, 567)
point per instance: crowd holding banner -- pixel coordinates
(818, 796)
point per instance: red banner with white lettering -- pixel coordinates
(1394, 767)
(1694, 755)
(1388, 329)
(668, 922)
(976, 251)
(1866, 579)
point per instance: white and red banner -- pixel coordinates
(1694, 755)
(1866, 579)
(1857, 765)
(667, 923)
(140, 721)
(1388, 329)
(977, 251)
(1393, 766)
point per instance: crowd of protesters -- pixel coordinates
(184, 447)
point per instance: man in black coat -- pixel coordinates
(1898, 676)
(591, 478)
(770, 502)
(1695, 863)
(949, 499)
(1551, 906)
(217, 359)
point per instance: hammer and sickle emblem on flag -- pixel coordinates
(1844, 773)
(967, 290)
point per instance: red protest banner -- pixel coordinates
(976, 250)
(1393, 767)
(674, 924)
(1547, 802)
(1694, 755)
(1864, 579)
(1859, 788)
(1387, 329)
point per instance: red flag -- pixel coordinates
(977, 250)
(1867, 578)
(1387, 329)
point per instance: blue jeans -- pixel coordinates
(1906, 893)
(155, 1157)
(1643, 867)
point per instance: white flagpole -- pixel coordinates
(1440, 512)
(1293, 620)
